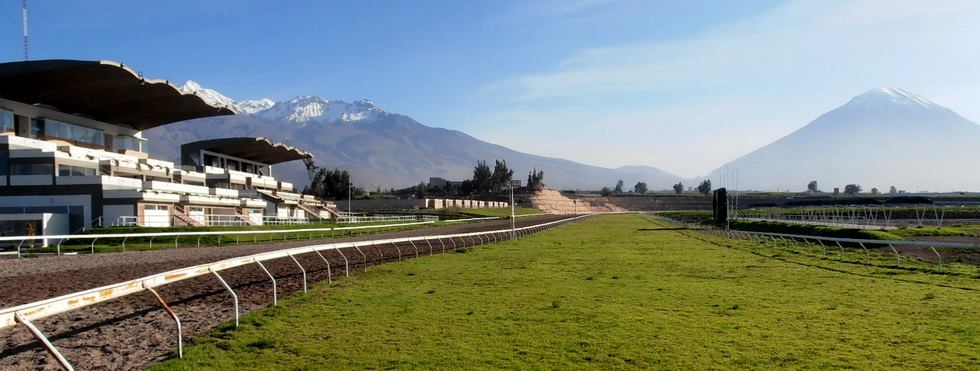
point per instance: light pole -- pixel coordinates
(512, 214)
(350, 190)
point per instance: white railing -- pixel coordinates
(865, 217)
(20, 240)
(839, 242)
(236, 220)
(178, 188)
(127, 221)
(284, 220)
(354, 219)
(33, 311)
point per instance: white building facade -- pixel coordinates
(71, 145)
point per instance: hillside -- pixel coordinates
(380, 148)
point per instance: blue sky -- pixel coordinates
(681, 85)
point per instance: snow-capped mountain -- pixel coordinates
(880, 138)
(305, 110)
(209, 95)
(251, 106)
(381, 149)
(885, 97)
(299, 110)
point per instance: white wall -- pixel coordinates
(255, 216)
(156, 218)
(54, 224)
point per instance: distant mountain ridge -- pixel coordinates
(380, 148)
(881, 138)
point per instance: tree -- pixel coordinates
(605, 192)
(874, 191)
(852, 189)
(893, 190)
(534, 179)
(329, 184)
(619, 187)
(640, 188)
(466, 188)
(482, 178)
(705, 187)
(501, 176)
(421, 191)
(812, 187)
(450, 189)
(679, 188)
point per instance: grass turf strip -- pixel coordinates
(613, 291)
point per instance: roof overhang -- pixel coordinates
(258, 149)
(105, 91)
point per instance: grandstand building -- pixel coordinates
(72, 156)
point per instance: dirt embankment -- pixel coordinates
(553, 202)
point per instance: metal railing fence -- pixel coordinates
(824, 242)
(301, 232)
(24, 314)
(354, 219)
(840, 242)
(866, 217)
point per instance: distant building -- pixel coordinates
(437, 182)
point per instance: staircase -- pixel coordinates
(181, 215)
(332, 210)
(313, 214)
(240, 213)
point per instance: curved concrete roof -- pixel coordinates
(255, 149)
(106, 91)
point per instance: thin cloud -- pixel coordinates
(811, 56)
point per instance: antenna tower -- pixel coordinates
(24, 13)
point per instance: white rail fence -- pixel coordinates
(24, 314)
(838, 242)
(299, 232)
(863, 217)
(353, 219)
(244, 220)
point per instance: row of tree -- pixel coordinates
(485, 182)
(535, 180)
(642, 188)
(331, 185)
(850, 189)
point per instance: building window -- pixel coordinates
(122, 143)
(6, 121)
(35, 129)
(212, 161)
(69, 170)
(73, 132)
(31, 169)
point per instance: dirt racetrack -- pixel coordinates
(132, 332)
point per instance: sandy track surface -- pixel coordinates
(133, 331)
